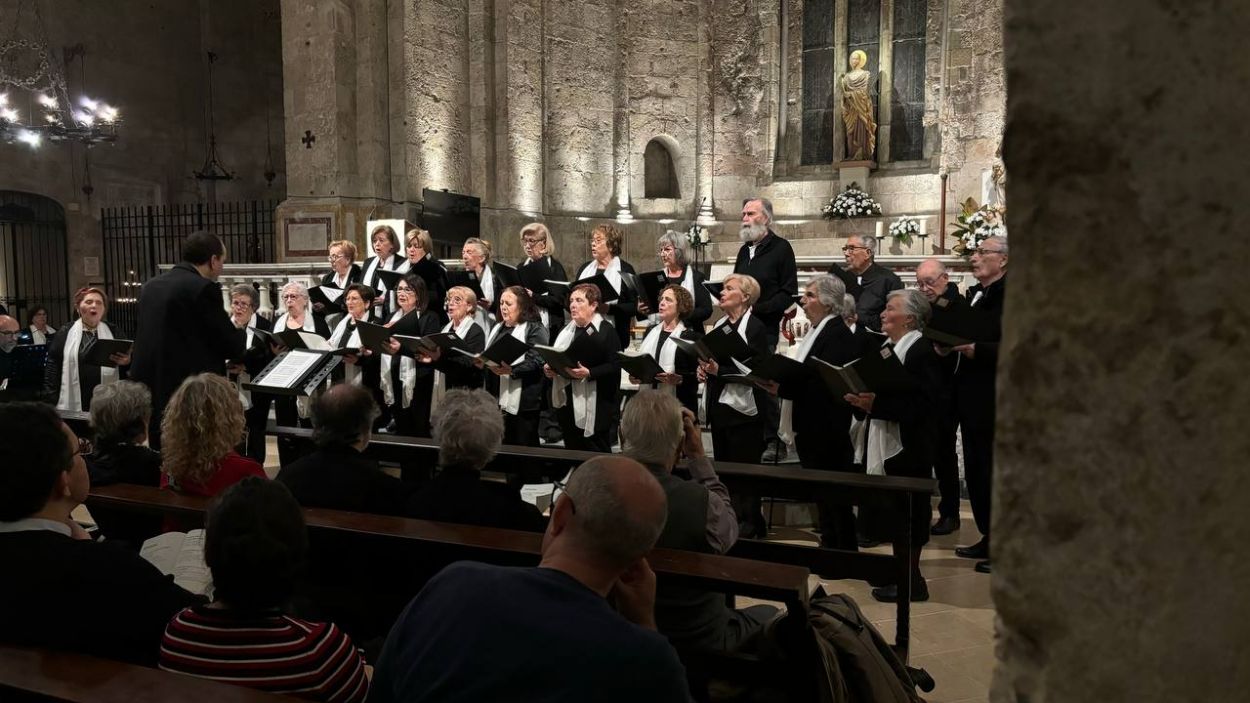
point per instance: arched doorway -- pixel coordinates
(34, 268)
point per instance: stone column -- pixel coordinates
(705, 122)
(436, 90)
(620, 118)
(1121, 521)
(519, 104)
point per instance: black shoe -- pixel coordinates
(980, 550)
(945, 526)
(889, 594)
(983, 567)
(867, 542)
(775, 452)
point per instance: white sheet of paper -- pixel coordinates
(332, 293)
(180, 554)
(291, 369)
(314, 341)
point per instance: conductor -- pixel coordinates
(183, 328)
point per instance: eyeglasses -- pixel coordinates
(983, 251)
(5, 333)
(336, 257)
(291, 296)
(241, 303)
(808, 294)
(85, 448)
(928, 282)
(561, 485)
(403, 289)
(851, 247)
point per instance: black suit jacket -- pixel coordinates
(81, 596)
(975, 379)
(723, 416)
(775, 269)
(183, 330)
(622, 312)
(871, 288)
(341, 478)
(551, 303)
(818, 416)
(530, 370)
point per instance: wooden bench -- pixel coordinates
(387, 559)
(541, 464)
(39, 675)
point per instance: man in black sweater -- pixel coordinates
(768, 259)
(338, 476)
(61, 591)
(183, 330)
(934, 282)
(870, 282)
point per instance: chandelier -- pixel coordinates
(35, 102)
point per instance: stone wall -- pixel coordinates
(149, 60)
(1120, 524)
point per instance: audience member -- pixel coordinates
(120, 414)
(656, 431)
(490, 633)
(255, 545)
(202, 426)
(337, 475)
(865, 279)
(60, 590)
(21, 370)
(182, 329)
(468, 428)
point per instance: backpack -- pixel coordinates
(862, 663)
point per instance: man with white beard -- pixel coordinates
(768, 259)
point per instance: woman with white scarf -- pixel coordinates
(540, 250)
(676, 270)
(453, 370)
(40, 331)
(605, 250)
(894, 432)
(811, 417)
(256, 355)
(477, 255)
(586, 405)
(680, 370)
(406, 385)
(419, 247)
(386, 257)
(518, 385)
(69, 380)
(290, 411)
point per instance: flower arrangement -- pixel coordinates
(851, 202)
(697, 237)
(904, 228)
(977, 223)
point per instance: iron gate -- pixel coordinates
(34, 269)
(138, 239)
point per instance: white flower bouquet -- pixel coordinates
(851, 202)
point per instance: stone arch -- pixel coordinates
(660, 169)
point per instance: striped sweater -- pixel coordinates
(270, 652)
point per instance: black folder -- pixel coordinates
(430, 272)
(533, 274)
(650, 285)
(468, 280)
(330, 306)
(875, 372)
(291, 339)
(607, 294)
(714, 287)
(505, 350)
(390, 279)
(446, 341)
(954, 324)
(373, 336)
(104, 348)
(505, 275)
(641, 366)
(777, 368)
(560, 360)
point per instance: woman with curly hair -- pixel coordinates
(203, 424)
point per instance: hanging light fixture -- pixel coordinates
(32, 84)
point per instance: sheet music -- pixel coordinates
(180, 554)
(293, 367)
(314, 341)
(333, 294)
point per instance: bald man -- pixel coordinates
(934, 282)
(478, 632)
(21, 372)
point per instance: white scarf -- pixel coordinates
(883, 441)
(739, 396)
(785, 428)
(585, 391)
(341, 281)
(302, 405)
(352, 373)
(440, 379)
(374, 263)
(510, 387)
(667, 356)
(245, 397)
(71, 392)
(407, 372)
(612, 272)
(40, 337)
(483, 316)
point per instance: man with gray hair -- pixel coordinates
(934, 282)
(865, 279)
(769, 259)
(658, 432)
(21, 370)
(517, 621)
(468, 427)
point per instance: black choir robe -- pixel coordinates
(605, 371)
(529, 371)
(822, 422)
(415, 419)
(623, 311)
(459, 369)
(735, 436)
(545, 300)
(685, 366)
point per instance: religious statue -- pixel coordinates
(861, 128)
(994, 185)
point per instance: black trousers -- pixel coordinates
(836, 516)
(521, 428)
(257, 417)
(770, 409)
(946, 466)
(575, 437)
(976, 422)
(741, 442)
(287, 415)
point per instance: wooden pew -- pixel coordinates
(39, 675)
(541, 464)
(403, 541)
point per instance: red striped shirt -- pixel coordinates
(269, 652)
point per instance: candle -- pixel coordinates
(923, 221)
(880, 229)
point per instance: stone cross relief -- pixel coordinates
(308, 139)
